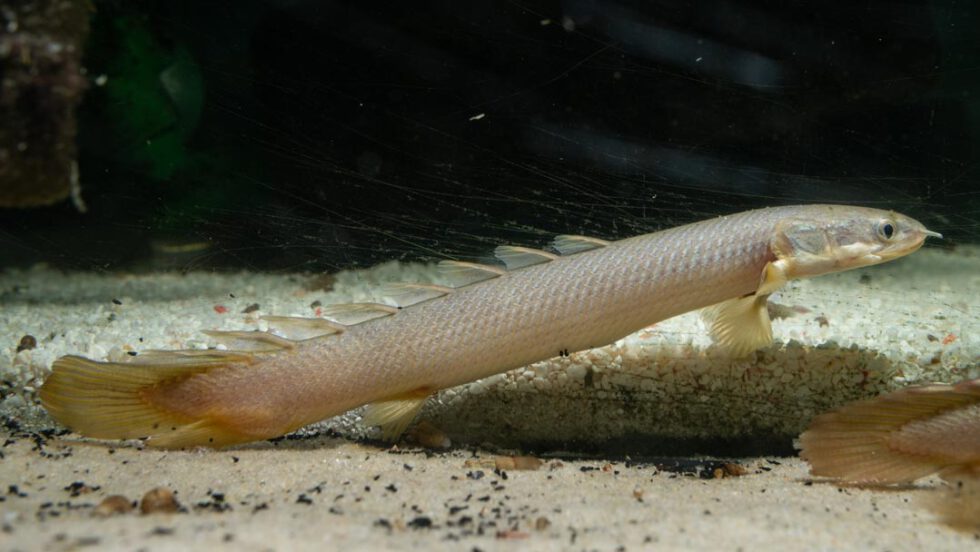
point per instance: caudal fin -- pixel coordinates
(109, 400)
(898, 437)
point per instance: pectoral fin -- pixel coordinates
(394, 415)
(742, 325)
(774, 276)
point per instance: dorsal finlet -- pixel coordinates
(257, 341)
(406, 294)
(568, 244)
(461, 273)
(190, 357)
(299, 328)
(519, 257)
(350, 314)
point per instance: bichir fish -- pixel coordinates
(536, 305)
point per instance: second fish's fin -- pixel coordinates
(898, 437)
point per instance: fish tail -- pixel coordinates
(893, 438)
(110, 400)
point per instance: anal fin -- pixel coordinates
(201, 433)
(395, 414)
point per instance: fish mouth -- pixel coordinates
(865, 254)
(916, 240)
(921, 234)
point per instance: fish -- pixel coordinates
(958, 504)
(533, 305)
(899, 437)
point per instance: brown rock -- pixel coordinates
(429, 436)
(528, 463)
(27, 343)
(159, 500)
(113, 505)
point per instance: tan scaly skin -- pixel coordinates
(593, 294)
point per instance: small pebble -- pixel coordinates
(159, 500)
(27, 343)
(511, 534)
(528, 463)
(430, 437)
(730, 470)
(324, 282)
(112, 505)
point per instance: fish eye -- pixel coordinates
(886, 230)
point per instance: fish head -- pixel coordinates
(833, 238)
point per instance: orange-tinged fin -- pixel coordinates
(394, 414)
(898, 437)
(108, 400)
(202, 433)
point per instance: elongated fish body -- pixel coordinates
(543, 306)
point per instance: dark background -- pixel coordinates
(313, 134)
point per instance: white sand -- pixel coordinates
(861, 333)
(350, 488)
